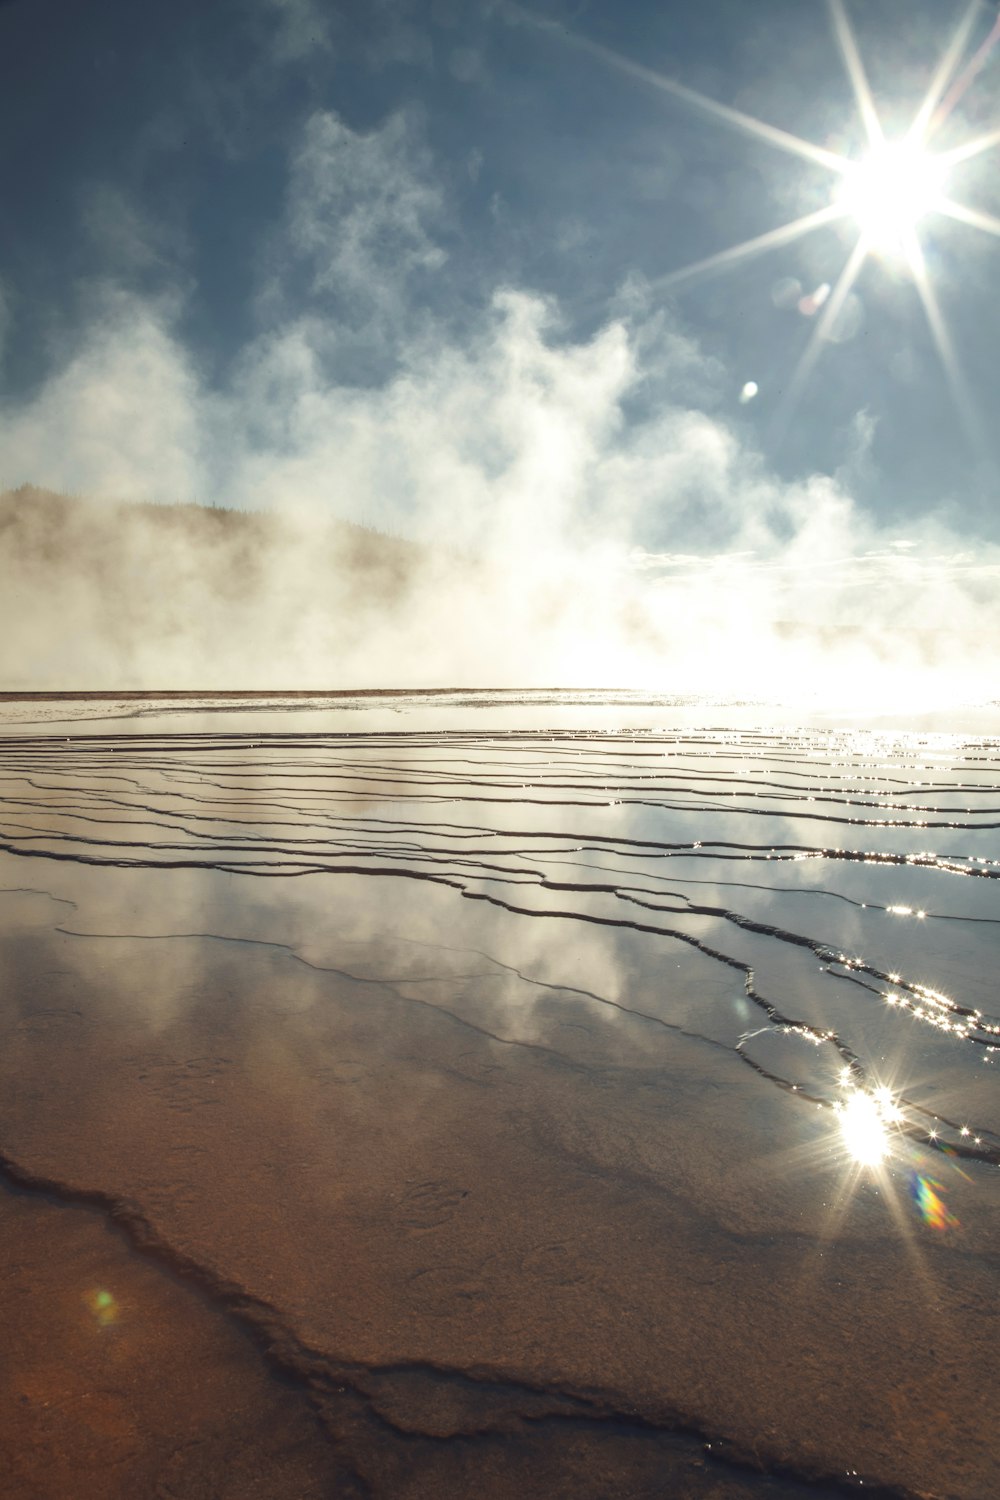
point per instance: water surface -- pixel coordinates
(576, 1096)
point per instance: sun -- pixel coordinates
(890, 191)
(865, 1121)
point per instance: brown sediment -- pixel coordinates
(124, 1382)
(118, 1382)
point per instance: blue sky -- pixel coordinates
(417, 263)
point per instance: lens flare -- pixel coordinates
(926, 1194)
(103, 1306)
(810, 304)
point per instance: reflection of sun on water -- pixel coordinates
(866, 1119)
(864, 1125)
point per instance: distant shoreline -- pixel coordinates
(131, 694)
(275, 692)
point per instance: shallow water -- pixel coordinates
(570, 1096)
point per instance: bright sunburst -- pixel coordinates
(889, 193)
(865, 1122)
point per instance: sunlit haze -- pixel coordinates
(499, 749)
(659, 342)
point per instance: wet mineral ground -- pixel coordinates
(464, 1104)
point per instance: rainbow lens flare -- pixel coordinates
(926, 1194)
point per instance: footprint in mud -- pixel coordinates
(557, 1265)
(428, 1204)
(477, 1068)
(449, 1291)
(345, 1070)
(185, 1085)
(185, 1154)
(164, 1200)
(43, 1022)
(577, 1026)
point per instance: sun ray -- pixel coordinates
(783, 235)
(970, 148)
(839, 1205)
(965, 403)
(856, 72)
(887, 191)
(904, 1226)
(967, 76)
(771, 134)
(747, 124)
(945, 70)
(813, 349)
(972, 216)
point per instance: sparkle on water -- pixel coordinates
(865, 1119)
(873, 1132)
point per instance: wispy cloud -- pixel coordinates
(360, 207)
(301, 27)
